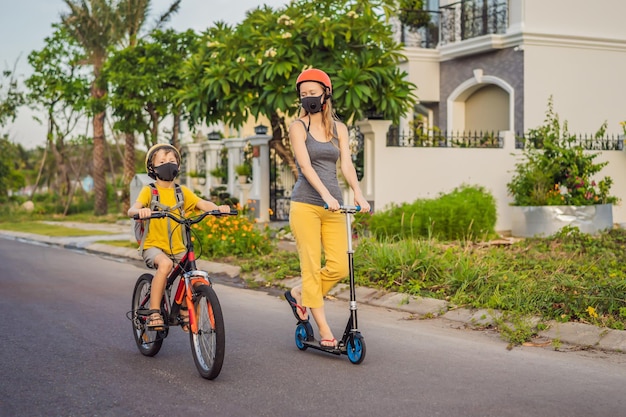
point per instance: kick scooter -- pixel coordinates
(352, 343)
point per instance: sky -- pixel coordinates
(25, 23)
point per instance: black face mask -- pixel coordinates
(312, 104)
(166, 172)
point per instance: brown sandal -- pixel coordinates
(155, 321)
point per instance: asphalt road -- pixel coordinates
(67, 349)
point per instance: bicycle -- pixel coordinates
(205, 320)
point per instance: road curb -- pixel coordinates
(576, 334)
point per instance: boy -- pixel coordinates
(161, 247)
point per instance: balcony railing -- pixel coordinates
(472, 18)
(424, 37)
(455, 22)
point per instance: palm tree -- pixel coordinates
(98, 25)
(134, 13)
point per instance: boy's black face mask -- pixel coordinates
(312, 104)
(166, 172)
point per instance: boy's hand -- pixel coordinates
(144, 212)
(224, 208)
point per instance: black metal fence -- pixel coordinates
(586, 142)
(474, 139)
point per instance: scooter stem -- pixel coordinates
(353, 306)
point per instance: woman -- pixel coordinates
(318, 140)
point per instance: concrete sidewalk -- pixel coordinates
(557, 335)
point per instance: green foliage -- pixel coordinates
(230, 236)
(570, 276)
(221, 171)
(11, 98)
(220, 195)
(466, 213)
(49, 229)
(412, 14)
(144, 81)
(556, 171)
(406, 265)
(57, 83)
(11, 179)
(49, 203)
(244, 169)
(515, 327)
(252, 69)
(273, 266)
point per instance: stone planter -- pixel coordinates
(544, 221)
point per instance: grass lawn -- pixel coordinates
(46, 229)
(120, 243)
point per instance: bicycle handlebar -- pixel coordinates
(186, 220)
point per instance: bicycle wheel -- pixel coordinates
(148, 341)
(207, 345)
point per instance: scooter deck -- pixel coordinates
(315, 344)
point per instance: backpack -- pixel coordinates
(142, 225)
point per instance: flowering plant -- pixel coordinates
(556, 170)
(230, 236)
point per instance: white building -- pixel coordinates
(493, 67)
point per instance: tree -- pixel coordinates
(135, 13)
(11, 98)
(10, 177)
(144, 81)
(252, 69)
(58, 85)
(98, 25)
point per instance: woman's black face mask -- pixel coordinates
(167, 172)
(312, 104)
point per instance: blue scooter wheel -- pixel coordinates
(355, 348)
(301, 335)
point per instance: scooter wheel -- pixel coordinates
(301, 336)
(355, 348)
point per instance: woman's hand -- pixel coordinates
(331, 203)
(362, 202)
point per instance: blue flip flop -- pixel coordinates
(295, 306)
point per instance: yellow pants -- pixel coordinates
(315, 228)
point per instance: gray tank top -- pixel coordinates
(324, 156)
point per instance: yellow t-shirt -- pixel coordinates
(158, 235)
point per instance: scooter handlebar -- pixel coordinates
(346, 208)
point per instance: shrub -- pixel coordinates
(230, 236)
(244, 169)
(555, 170)
(468, 212)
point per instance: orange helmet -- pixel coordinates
(316, 75)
